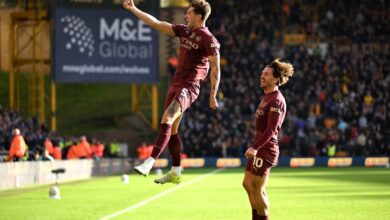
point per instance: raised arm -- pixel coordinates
(161, 26)
(215, 76)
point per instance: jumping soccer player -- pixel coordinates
(263, 154)
(199, 51)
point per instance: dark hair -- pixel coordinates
(201, 7)
(282, 70)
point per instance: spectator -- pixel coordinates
(97, 149)
(49, 146)
(73, 152)
(84, 148)
(57, 153)
(144, 151)
(18, 147)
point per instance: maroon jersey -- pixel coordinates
(269, 118)
(195, 46)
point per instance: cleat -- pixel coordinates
(170, 177)
(143, 169)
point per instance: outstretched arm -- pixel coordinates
(215, 76)
(161, 26)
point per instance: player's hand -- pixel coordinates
(128, 4)
(213, 102)
(250, 153)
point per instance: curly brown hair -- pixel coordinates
(281, 70)
(201, 7)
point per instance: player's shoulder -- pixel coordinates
(180, 29)
(205, 33)
(278, 99)
(180, 26)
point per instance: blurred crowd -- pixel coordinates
(338, 99)
(353, 21)
(24, 139)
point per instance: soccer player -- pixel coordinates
(199, 52)
(263, 154)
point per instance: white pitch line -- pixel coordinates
(164, 193)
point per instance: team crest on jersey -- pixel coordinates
(198, 38)
(259, 112)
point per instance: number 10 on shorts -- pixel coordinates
(257, 162)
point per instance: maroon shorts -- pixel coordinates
(258, 166)
(184, 94)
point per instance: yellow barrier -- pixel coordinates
(376, 161)
(340, 162)
(302, 162)
(161, 163)
(193, 163)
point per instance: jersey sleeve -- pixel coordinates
(274, 122)
(211, 46)
(179, 29)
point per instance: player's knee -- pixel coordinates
(262, 200)
(247, 186)
(261, 204)
(167, 118)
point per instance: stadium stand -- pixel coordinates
(338, 96)
(42, 143)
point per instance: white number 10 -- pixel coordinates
(257, 162)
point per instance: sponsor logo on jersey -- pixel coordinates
(189, 44)
(214, 45)
(274, 109)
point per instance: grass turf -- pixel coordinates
(313, 193)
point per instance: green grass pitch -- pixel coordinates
(310, 193)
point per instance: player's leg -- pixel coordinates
(169, 117)
(175, 147)
(176, 124)
(247, 184)
(173, 111)
(186, 96)
(260, 196)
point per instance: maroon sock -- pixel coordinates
(161, 140)
(262, 217)
(175, 146)
(256, 216)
